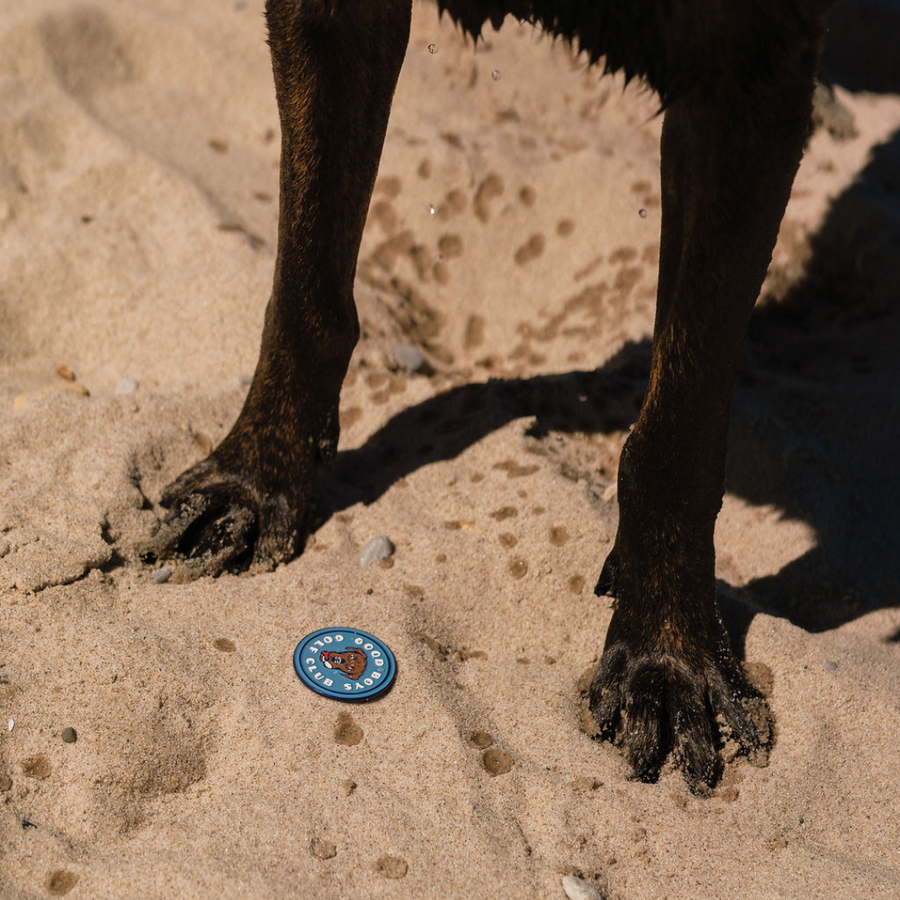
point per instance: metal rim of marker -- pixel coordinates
(345, 664)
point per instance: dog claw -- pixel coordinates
(217, 523)
(651, 704)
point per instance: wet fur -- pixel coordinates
(735, 80)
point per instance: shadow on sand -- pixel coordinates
(816, 421)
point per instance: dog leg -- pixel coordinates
(668, 679)
(336, 64)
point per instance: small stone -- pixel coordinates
(578, 889)
(410, 357)
(126, 386)
(496, 761)
(244, 380)
(65, 372)
(831, 665)
(347, 787)
(161, 576)
(392, 867)
(377, 549)
(322, 849)
(69, 735)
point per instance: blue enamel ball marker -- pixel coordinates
(345, 664)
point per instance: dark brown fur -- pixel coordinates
(735, 79)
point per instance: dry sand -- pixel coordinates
(513, 236)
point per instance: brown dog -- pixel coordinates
(352, 662)
(735, 80)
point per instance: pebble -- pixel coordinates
(578, 889)
(410, 357)
(161, 576)
(126, 386)
(69, 735)
(377, 549)
(831, 665)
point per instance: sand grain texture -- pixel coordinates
(513, 236)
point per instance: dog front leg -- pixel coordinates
(336, 64)
(668, 679)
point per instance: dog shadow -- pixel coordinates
(856, 54)
(815, 425)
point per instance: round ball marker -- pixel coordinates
(345, 664)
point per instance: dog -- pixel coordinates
(352, 662)
(735, 82)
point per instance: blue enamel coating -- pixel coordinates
(345, 664)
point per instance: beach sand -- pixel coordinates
(513, 239)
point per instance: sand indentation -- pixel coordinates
(491, 187)
(347, 733)
(531, 249)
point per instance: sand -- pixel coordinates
(513, 236)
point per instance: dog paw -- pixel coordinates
(653, 703)
(219, 520)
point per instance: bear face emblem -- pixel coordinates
(351, 662)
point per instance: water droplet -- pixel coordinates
(431, 210)
(495, 74)
(642, 213)
(432, 49)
